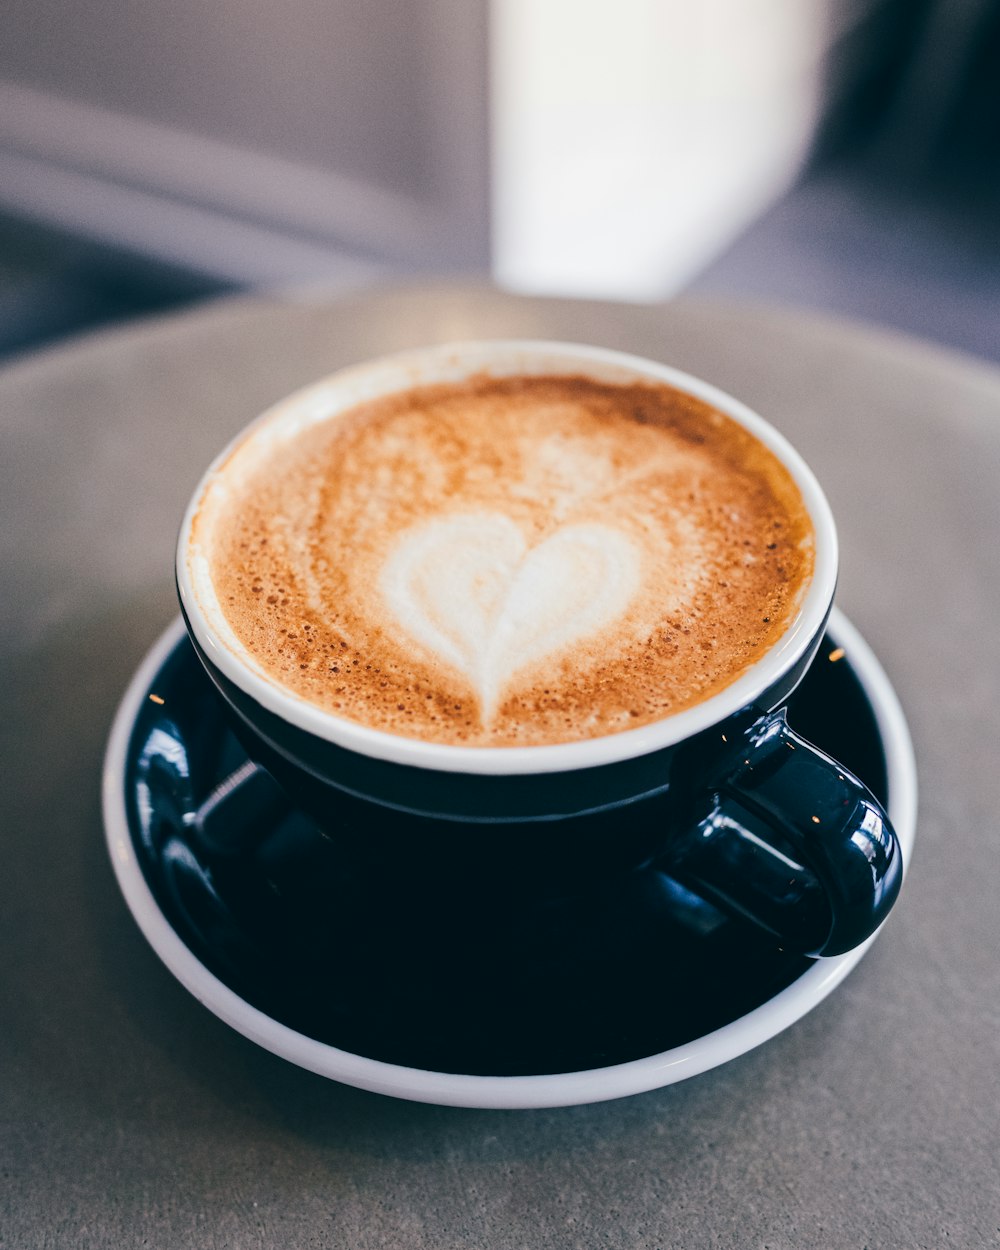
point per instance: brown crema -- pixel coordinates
(507, 561)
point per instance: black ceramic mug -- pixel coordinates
(495, 852)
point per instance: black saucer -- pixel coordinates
(655, 968)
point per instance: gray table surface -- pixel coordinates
(130, 1116)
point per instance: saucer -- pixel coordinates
(592, 1027)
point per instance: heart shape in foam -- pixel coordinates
(469, 589)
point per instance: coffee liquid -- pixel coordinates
(506, 561)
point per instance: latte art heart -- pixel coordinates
(470, 590)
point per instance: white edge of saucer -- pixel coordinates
(454, 1089)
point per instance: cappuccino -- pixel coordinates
(505, 561)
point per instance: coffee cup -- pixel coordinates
(511, 624)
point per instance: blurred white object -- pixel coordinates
(633, 140)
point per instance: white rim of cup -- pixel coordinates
(557, 1089)
(348, 387)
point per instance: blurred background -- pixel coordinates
(834, 154)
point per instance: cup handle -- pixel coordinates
(240, 812)
(785, 836)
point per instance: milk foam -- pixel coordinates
(470, 590)
(506, 561)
